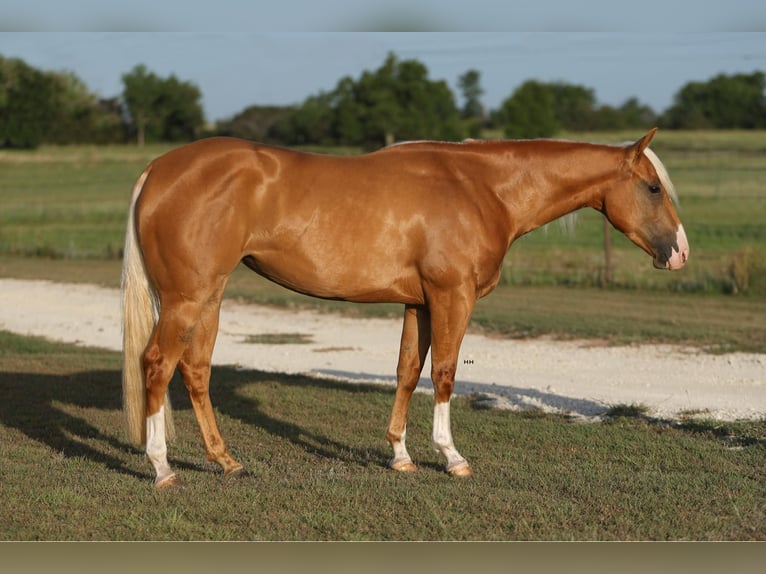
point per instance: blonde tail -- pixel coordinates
(140, 309)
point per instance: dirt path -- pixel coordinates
(574, 377)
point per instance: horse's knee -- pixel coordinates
(443, 377)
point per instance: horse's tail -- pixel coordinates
(140, 310)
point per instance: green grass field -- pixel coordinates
(317, 455)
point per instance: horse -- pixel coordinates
(424, 224)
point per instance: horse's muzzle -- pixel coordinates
(676, 255)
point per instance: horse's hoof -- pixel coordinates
(405, 465)
(236, 474)
(167, 482)
(462, 470)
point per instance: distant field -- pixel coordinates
(68, 202)
(62, 209)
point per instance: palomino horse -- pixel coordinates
(424, 224)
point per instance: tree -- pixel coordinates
(529, 112)
(80, 116)
(140, 92)
(636, 115)
(737, 101)
(161, 109)
(471, 90)
(27, 104)
(399, 102)
(253, 123)
(539, 109)
(573, 106)
(396, 101)
(349, 113)
(473, 109)
(180, 108)
(378, 102)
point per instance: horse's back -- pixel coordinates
(361, 228)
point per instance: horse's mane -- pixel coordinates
(659, 167)
(662, 173)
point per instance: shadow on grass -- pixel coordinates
(28, 403)
(228, 399)
(521, 398)
(33, 404)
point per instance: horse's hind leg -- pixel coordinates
(168, 342)
(195, 369)
(416, 338)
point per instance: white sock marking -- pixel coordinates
(156, 448)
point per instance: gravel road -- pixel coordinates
(580, 378)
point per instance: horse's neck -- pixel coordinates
(540, 181)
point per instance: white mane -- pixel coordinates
(662, 173)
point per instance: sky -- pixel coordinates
(240, 54)
(235, 70)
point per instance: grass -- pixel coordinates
(317, 455)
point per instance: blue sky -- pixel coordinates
(644, 16)
(235, 70)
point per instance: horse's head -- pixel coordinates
(640, 205)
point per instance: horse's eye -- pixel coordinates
(654, 188)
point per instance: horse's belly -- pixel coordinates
(332, 278)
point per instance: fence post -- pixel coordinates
(606, 279)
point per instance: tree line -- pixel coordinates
(398, 101)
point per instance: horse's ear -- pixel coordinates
(637, 149)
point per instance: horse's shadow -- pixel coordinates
(519, 398)
(40, 406)
(226, 394)
(36, 404)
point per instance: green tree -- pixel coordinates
(471, 90)
(472, 112)
(396, 101)
(636, 115)
(399, 102)
(140, 91)
(80, 116)
(161, 109)
(529, 112)
(180, 108)
(27, 104)
(349, 113)
(253, 123)
(309, 123)
(379, 105)
(540, 109)
(573, 106)
(737, 101)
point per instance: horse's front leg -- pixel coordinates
(416, 339)
(450, 313)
